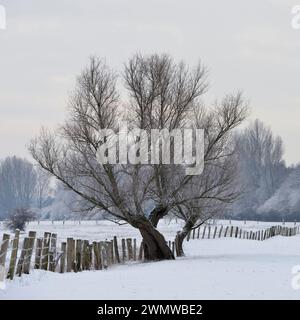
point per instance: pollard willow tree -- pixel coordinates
(162, 94)
(199, 198)
(166, 97)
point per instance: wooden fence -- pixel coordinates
(212, 232)
(20, 256)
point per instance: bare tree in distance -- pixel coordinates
(17, 184)
(18, 219)
(261, 166)
(42, 186)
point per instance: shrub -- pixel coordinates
(19, 218)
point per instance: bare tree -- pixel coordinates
(71, 157)
(261, 165)
(17, 184)
(162, 95)
(42, 186)
(18, 219)
(195, 199)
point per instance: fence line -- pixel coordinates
(22, 255)
(237, 232)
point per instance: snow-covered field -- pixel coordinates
(212, 269)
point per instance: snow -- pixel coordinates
(225, 268)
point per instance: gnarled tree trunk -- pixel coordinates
(156, 214)
(181, 235)
(155, 245)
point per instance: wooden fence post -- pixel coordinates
(78, 261)
(215, 232)
(134, 249)
(45, 251)
(86, 263)
(188, 236)
(226, 230)
(38, 253)
(231, 231)
(117, 249)
(52, 252)
(63, 257)
(220, 232)
(104, 257)
(3, 253)
(141, 251)
(236, 232)
(123, 250)
(28, 254)
(22, 256)
(203, 234)
(13, 257)
(194, 234)
(173, 248)
(96, 256)
(198, 233)
(70, 254)
(208, 236)
(108, 253)
(129, 248)
(100, 256)
(111, 250)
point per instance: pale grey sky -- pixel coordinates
(247, 45)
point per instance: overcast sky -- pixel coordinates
(246, 45)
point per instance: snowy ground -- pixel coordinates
(212, 269)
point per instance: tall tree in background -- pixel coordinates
(42, 187)
(261, 165)
(17, 184)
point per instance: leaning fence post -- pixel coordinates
(3, 253)
(226, 230)
(220, 232)
(203, 234)
(13, 257)
(28, 254)
(215, 232)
